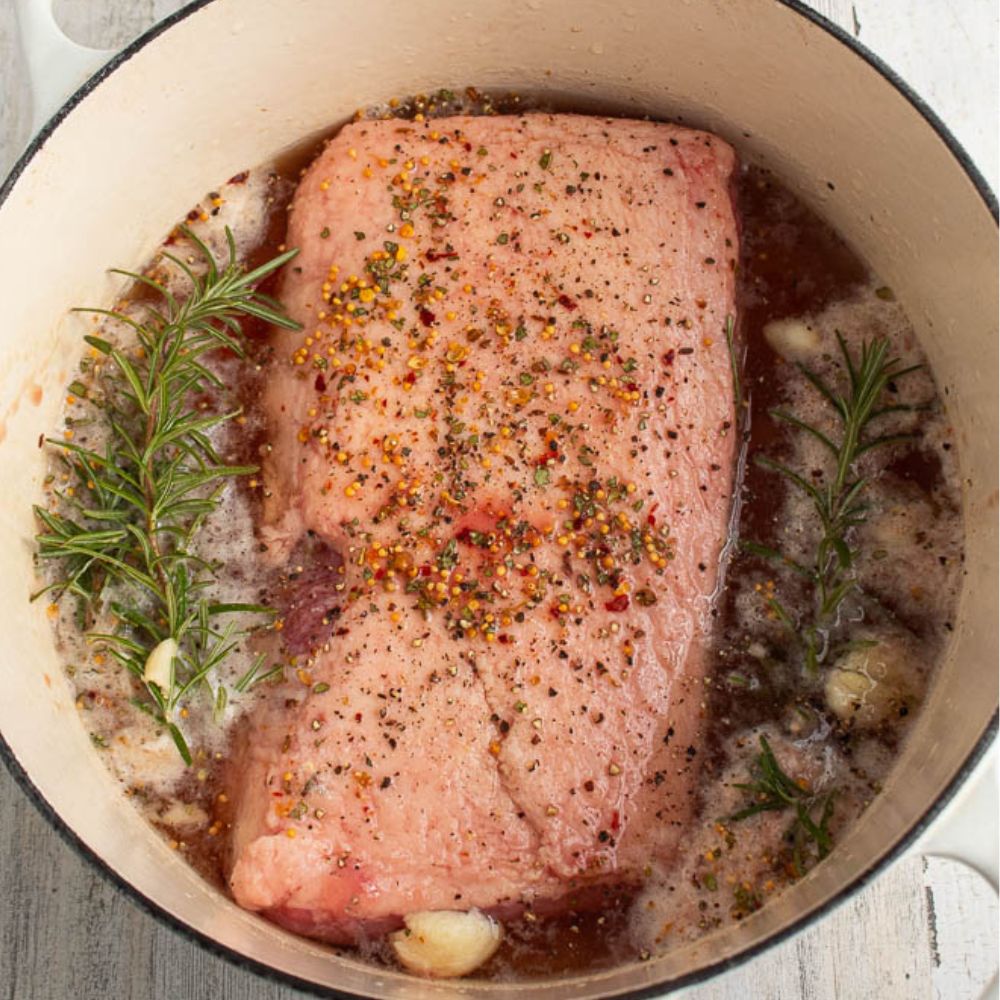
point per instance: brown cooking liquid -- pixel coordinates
(792, 264)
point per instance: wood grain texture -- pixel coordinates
(925, 929)
(15, 101)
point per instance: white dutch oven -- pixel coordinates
(229, 83)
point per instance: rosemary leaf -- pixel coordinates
(735, 362)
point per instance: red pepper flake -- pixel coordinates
(650, 519)
(427, 317)
(616, 820)
(619, 603)
(320, 383)
(668, 358)
(433, 255)
(566, 302)
(240, 178)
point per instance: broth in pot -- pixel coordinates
(820, 600)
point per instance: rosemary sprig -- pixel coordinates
(123, 538)
(838, 503)
(772, 790)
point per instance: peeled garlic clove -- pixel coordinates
(446, 943)
(867, 686)
(792, 339)
(847, 693)
(159, 664)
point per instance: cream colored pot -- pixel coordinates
(230, 83)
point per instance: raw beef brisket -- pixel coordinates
(507, 427)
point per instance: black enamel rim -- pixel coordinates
(890, 854)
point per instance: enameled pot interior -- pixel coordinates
(237, 82)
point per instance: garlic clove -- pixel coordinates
(867, 686)
(159, 664)
(446, 943)
(792, 339)
(847, 693)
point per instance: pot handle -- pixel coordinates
(56, 65)
(966, 830)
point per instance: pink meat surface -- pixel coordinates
(507, 425)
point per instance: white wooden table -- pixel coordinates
(924, 929)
